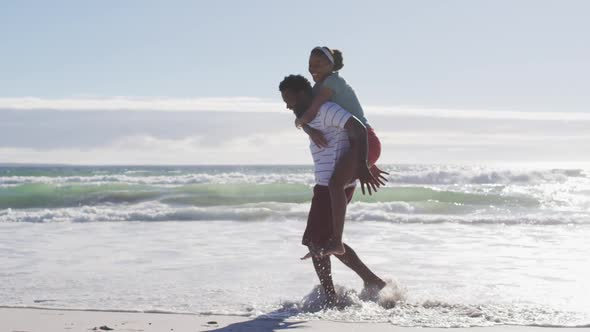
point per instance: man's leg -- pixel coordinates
(352, 260)
(323, 269)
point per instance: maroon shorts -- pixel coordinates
(319, 220)
(374, 146)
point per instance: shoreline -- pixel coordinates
(29, 319)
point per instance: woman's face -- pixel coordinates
(319, 67)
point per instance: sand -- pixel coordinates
(49, 320)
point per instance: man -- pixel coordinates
(343, 134)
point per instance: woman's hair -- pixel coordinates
(336, 54)
(338, 60)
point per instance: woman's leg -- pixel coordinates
(344, 174)
(374, 149)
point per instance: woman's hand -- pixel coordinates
(317, 137)
(298, 123)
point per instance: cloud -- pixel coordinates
(256, 105)
(411, 111)
(283, 148)
(292, 147)
(465, 139)
(233, 104)
(86, 129)
(202, 136)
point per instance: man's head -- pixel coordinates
(296, 93)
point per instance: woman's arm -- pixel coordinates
(316, 136)
(317, 102)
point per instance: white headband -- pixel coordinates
(326, 52)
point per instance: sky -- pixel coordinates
(196, 82)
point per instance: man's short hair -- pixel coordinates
(295, 83)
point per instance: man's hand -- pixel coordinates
(371, 178)
(317, 137)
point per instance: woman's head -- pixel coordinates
(323, 61)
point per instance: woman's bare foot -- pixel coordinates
(313, 252)
(334, 248)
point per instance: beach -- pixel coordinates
(32, 320)
(459, 246)
(176, 166)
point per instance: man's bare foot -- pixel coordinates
(372, 289)
(376, 284)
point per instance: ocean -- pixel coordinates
(460, 245)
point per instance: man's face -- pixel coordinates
(290, 99)
(295, 101)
